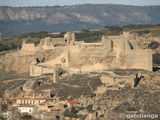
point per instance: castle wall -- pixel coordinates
(36, 70)
(18, 63)
(94, 67)
(28, 46)
(48, 66)
(118, 47)
(61, 60)
(112, 80)
(107, 43)
(91, 59)
(28, 49)
(21, 63)
(138, 59)
(120, 44)
(127, 46)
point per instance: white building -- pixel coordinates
(26, 109)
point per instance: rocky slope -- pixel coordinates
(66, 18)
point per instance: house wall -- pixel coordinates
(28, 110)
(36, 70)
(25, 101)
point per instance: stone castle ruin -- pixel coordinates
(45, 44)
(112, 52)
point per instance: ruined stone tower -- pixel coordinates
(69, 38)
(55, 76)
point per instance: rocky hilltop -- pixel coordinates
(67, 18)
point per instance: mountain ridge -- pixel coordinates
(18, 20)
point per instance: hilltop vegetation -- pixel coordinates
(85, 35)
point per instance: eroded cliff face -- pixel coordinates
(48, 15)
(9, 13)
(70, 18)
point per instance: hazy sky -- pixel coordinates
(72, 2)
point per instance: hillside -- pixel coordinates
(15, 21)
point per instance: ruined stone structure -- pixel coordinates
(49, 43)
(69, 38)
(28, 48)
(128, 54)
(113, 52)
(21, 60)
(55, 76)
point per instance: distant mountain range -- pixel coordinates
(18, 20)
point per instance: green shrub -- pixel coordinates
(2, 118)
(72, 113)
(69, 114)
(89, 36)
(156, 58)
(137, 26)
(85, 30)
(41, 34)
(143, 32)
(27, 117)
(4, 47)
(146, 31)
(153, 45)
(89, 108)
